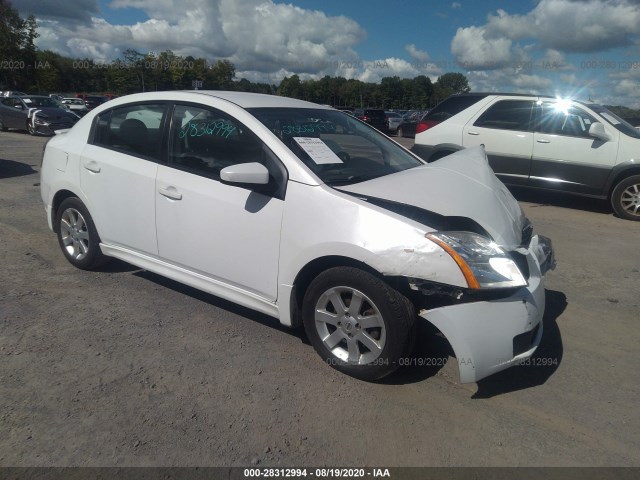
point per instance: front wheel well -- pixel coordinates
(312, 269)
(58, 198)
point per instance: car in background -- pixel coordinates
(374, 117)
(541, 142)
(407, 128)
(93, 101)
(359, 240)
(76, 105)
(37, 114)
(393, 120)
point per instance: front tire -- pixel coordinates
(77, 235)
(357, 323)
(625, 198)
(31, 129)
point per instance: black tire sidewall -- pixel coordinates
(397, 312)
(94, 258)
(616, 197)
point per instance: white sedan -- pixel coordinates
(308, 215)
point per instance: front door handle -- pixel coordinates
(543, 140)
(473, 133)
(170, 192)
(92, 166)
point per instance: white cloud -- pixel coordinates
(456, 5)
(571, 25)
(416, 54)
(474, 50)
(256, 35)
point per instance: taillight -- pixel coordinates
(425, 125)
(365, 118)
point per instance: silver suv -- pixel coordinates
(541, 142)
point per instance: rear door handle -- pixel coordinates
(170, 192)
(473, 133)
(92, 166)
(543, 140)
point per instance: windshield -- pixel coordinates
(40, 102)
(338, 148)
(620, 124)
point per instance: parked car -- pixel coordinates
(375, 118)
(37, 114)
(93, 101)
(307, 215)
(542, 142)
(76, 105)
(393, 120)
(407, 128)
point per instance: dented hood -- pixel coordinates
(459, 185)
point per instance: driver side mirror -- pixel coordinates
(597, 130)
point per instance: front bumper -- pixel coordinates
(490, 336)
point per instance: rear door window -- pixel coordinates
(135, 129)
(508, 115)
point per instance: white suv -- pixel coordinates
(541, 142)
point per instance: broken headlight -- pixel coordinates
(482, 262)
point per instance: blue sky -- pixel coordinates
(583, 48)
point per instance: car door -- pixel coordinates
(118, 174)
(505, 130)
(565, 156)
(226, 232)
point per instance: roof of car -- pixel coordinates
(256, 100)
(242, 99)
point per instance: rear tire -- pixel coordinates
(77, 235)
(625, 198)
(31, 129)
(399, 132)
(357, 323)
(2, 126)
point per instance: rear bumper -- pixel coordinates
(490, 336)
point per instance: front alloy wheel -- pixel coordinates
(350, 325)
(358, 323)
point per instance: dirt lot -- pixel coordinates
(123, 367)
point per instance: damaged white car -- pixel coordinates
(307, 215)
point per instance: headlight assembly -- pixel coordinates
(483, 263)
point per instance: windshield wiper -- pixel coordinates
(351, 179)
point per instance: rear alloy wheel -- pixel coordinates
(77, 235)
(357, 323)
(625, 198)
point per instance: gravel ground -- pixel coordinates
(122, 367)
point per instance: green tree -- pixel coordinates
(17, 47)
